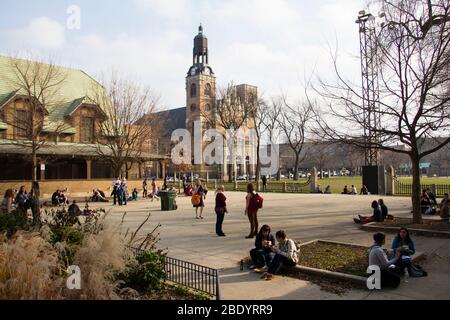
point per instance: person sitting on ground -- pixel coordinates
(7, 202)
(328, 189)
(444, 208)
(384, 210)
(262, 253)
(134, 195)
(62, 198)
(98, 196)
(354, 191)
(378, 257)
(319, 189)
(286, 254)
(55, 198)
(364, 190)
(376, 217)
(345, 190)
(22, 199)
(426, 205)
(431, 196)
(74, 210)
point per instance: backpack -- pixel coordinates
(257, 201)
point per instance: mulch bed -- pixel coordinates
(428, 224)
(335, 257)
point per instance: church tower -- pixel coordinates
(200, 85)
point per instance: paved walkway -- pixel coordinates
(304, 217)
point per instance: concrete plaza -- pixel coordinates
(304, 217)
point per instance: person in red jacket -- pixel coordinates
(221, 209)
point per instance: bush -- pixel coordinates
(145, 273)
(12, 222)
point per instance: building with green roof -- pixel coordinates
(69, 122)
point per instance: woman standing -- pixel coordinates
(144, 189)
(35, 195)
(154, 190)
(221, 209)
(6, 206)
(201, 192)
(251, 211)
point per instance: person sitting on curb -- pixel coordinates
(376, 217)
(286, 254)
(403, 243)
(134, 195)
(364, 190)
(345, 190)
(262, 253)
(390, 277)
(354, 191)
(328, 189)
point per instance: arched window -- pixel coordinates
(193, 90)
(193, 108)
(208, 107)
(208, 90)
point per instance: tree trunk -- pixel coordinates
(34, 172)
(416, 192)
(297, 160)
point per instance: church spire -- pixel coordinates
(200, 56)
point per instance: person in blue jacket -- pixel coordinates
(403, 243)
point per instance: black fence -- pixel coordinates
(200, 278)
(405, 189)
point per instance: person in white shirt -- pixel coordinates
(378, 257)
(286, 254)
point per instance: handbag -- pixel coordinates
(196, 199)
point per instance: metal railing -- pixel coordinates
(405, 189)
(197, 277)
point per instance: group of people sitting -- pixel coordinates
(395, 262)
(354, 191)
(380, 213)
(428, 202)
(272, 253)
(327, 189)
(59, 198)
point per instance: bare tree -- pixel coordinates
(36, 91)
(129, 125)
(230, 113)
(294, 121)
(414, 53)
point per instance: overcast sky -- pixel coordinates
(272, 44)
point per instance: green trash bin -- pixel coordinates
(168, 202)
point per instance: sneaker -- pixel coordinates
(265, 268)
(252, 267)
(357, 221)
(222, 235)
(259, 270)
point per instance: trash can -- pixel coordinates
(168, 202)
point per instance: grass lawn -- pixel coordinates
(337, 183)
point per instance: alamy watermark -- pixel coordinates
(73, 282)
(374, 281)
(222, 147)
(73, 21)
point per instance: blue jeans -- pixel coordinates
(278, 262)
